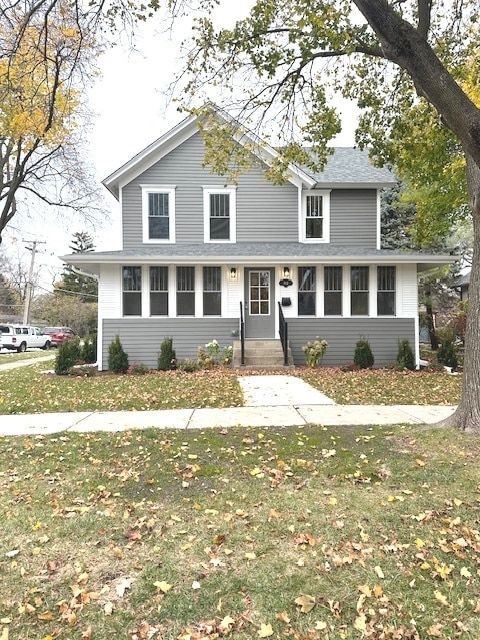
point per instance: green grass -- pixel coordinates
(32, 390)
(173, 534)
(13, 356)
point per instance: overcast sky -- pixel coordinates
(131, 111)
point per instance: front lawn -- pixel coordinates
(304, 533)
(28, 390)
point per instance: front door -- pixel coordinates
(260, 303)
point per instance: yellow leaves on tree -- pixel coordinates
(36, 97)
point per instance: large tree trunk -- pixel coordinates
(408, 47)
(467, 415)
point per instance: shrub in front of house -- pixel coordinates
(363, 356)
(314, 352)
(405, 357)
(167, 358)
(89, 350)
(117, 358)
(68, 354)
(447, 352)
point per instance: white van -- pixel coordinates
(17, 337)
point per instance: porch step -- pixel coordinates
(261, 354)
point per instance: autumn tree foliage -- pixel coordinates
(46, 58)
(393, 59)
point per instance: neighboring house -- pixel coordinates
(462, 285)
(196, 249)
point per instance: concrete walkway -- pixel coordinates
(270, 401)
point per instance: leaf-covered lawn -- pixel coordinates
(303, 533)
(28, 390)
(385, 386)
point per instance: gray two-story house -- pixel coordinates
(200, 254)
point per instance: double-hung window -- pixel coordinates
(132, 291)
(332, 296)
(219, 214)
(386, 291)
(159, 291)
(158, 204)
(359, 291)
(316, 217)
(185, 291)
(212, 291)
(306, 291)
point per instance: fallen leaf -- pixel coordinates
(305, 602)
(196, 584)
(379, 572)
(265, 631)
(122, 586)
(162, 586)
(465, 573)
(12, 554)
(440, 597)
(226, 623)
(284, 617)
(361, 623)
(108, 609)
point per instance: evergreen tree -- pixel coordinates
(73, 283)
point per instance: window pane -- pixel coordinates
(132, 304)
(132, 278)
(158, 228)
(158, 303)
(158, 278)
(185, 304)
(333, 291)
(219, 229)
(212, 297)
(306, 291)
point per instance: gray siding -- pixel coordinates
(261, 205)
(141, 338)
(343, 333)
(353, 217)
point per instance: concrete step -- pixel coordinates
(260, 354)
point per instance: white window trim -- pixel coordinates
(325, 194)
(207, 191)
(146, 190)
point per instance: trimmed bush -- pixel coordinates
(405, 357)
(117, 358)
(68, 354)
(89, 350)
(167, 358)
(363, 356)
(447, 354)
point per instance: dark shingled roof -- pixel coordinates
(349, 165)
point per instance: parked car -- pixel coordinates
(23, 337)
(59, 334)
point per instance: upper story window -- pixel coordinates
(316, 216)
(219, 214)
(386, 291)
(158, 204)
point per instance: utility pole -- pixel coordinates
(28, 292)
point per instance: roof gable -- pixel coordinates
(346, 167)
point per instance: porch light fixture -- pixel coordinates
(233, 274)
(286, 281)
